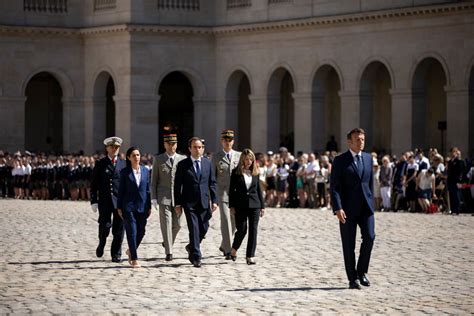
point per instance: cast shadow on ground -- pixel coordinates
(56, 262)
(290, 289)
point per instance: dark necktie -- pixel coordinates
(360, 166)
(171, 160)
(198, 169)
(228, 156)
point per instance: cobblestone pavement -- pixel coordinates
(421, 264)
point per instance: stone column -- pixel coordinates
(12, 120)
(73, 125)
(259, 123)
(457, 115)
(136, 121)
(205, 122)
(401, 121)
(350, 115)
(303, 122)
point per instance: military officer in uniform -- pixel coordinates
(104, 188)
(162, 195)
(223, 162)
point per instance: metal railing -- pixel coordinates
(186, 5)
(49, 6)
(238, 3)
(105, 4)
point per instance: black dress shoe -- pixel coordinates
(169, 257)
(364, 280)
(197, 263)
(116, 259)
(354, 285)
(188, 250)
(99, 252)
(228, 256)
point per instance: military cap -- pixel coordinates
(227, 133)
(113, 141)
(170, 138)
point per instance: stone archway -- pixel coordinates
(325, 108)
(104, 109)
(44, 114)
(176, 109)
(376, 107)
(238, 108)
(429, 105)
(280, 111)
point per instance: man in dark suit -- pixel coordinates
(353, 203)
(456, 174)
(104, 188)
(195, 190)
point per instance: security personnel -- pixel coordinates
(104, 188)
(162, 191)
(223, 162)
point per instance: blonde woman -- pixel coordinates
(246, 202)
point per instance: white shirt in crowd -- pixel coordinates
(425, 180)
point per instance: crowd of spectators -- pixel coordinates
(414, 181)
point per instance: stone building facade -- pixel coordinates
(279, 72)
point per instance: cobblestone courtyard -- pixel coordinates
(421, 263)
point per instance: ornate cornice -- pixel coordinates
(294, 24)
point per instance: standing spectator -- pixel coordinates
(410, 184)
(456, 173)
(300, 180)
(422, 161)
(292, 189)
(270, 179)
(385, 179)
(425, 183)
(310, 177)
(399, 179)
(331, 145)
(282, 176)
(377, 195)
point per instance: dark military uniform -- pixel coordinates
(104, 189)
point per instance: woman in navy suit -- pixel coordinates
(133, 202)
(246, 202)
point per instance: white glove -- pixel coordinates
(154, 202)
(95, 207)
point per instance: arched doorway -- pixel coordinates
(376, 107)
(176, 109)
(429, 105)
(238, 108)
(104, 109)
(471, 113)
(44, 114)
(281, 116)
(326, 108)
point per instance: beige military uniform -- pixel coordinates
(162, 186)
(223, 168)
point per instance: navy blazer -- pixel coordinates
(240, 197)
(349, 191)
(132, 197)
(105, 182)
(191, 192)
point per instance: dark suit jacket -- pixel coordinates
(132, 197)
(350, 192)
(240, 197)
(191, 192)
(105, 182)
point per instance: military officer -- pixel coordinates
(104, 188)
(223, 162)
(162, 191)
